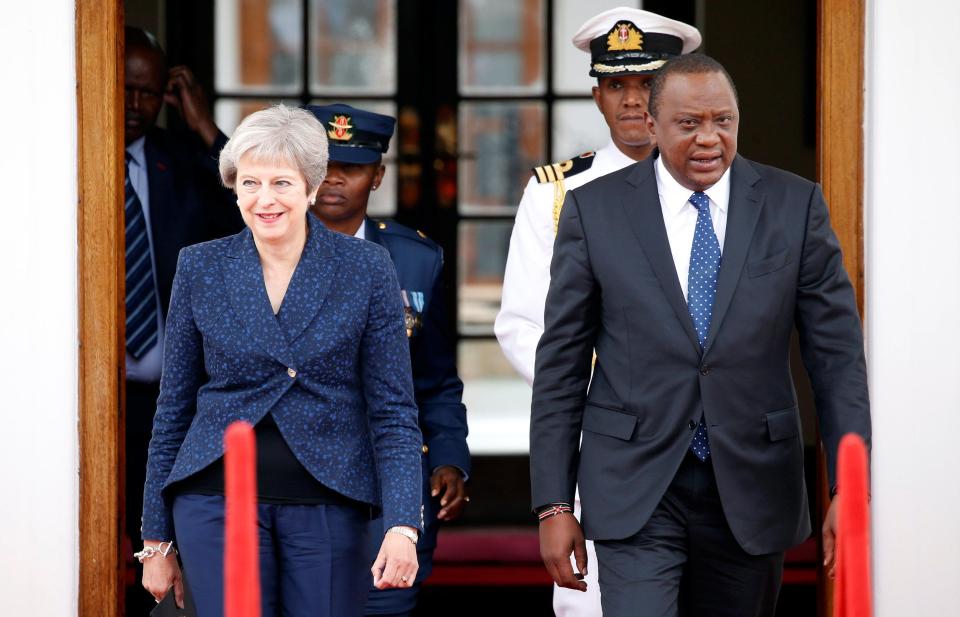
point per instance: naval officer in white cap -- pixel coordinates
(627, 46)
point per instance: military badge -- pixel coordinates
(413, 302)
(625, 37)
(342, 129)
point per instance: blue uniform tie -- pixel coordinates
(701, 291)
(141, 300)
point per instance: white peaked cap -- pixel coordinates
(600, 25)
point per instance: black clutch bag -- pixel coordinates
(168, 606)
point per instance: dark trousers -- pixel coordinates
(685, 561)
(141, 405)
(312, 558)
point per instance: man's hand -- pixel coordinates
(447, 481)
(830, 539)
(186, 95)
(561, 535)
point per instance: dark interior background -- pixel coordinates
(768, 47)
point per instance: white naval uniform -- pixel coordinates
(519, 323)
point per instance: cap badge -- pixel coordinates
(625, 37)
(342, 128)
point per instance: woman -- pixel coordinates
(299, 331)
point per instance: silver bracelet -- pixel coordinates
(406, 532)
(163, 549)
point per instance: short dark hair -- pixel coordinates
(142, 39)
(688, 64)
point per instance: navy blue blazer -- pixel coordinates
(333, 367)
(437, 387)
(187, 202)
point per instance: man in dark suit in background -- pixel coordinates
(173, 198)
(687, 273)
(358, 139)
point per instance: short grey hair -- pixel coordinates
(279, 133)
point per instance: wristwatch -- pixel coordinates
(408, 533)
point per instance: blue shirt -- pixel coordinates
(148, 367)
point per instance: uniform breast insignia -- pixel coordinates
(556, 173)
(413, 302)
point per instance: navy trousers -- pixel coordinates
(685, 561)
(313, 559)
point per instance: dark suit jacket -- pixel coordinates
(615, 289)
(437, 387)
(333, 367)
(187, 202)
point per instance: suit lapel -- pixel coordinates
(641, 203)
(161, 188)
(311, 281)
(744, 209)
(247, 293)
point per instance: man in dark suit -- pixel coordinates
(687, 273)
(358, 139)
(173, 199)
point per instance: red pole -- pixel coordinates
(241, 564)
(853, 592)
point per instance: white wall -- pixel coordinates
(38, 315)
(913, 302)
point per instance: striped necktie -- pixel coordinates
(141, 300)
(701, 291)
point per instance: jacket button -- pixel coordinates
(692, 425)
(704, 370)
(424, 448)
(292, 373)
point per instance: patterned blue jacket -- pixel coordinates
(336, 349)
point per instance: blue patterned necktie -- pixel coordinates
(141, 300)
(701, 291)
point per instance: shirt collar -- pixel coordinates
(137, 153)
(361, 231)
(675, 196)
(611, 155)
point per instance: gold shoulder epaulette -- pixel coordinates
(555, 173)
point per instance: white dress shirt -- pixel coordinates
(519, 323)
(680, 216)
(148, 367)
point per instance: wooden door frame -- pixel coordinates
(99, 63)
(100, 169)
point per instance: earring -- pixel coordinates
(374, 187)
(312, 203)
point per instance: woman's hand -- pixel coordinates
(161, 573)
(396, 564)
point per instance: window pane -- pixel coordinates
(499, 144)
(259, 45)
(229, 113)
(383, 201)
(497, 399)
(482, 257)
(571, 66)
(501, 47)
(578, 126)
(353, 46)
